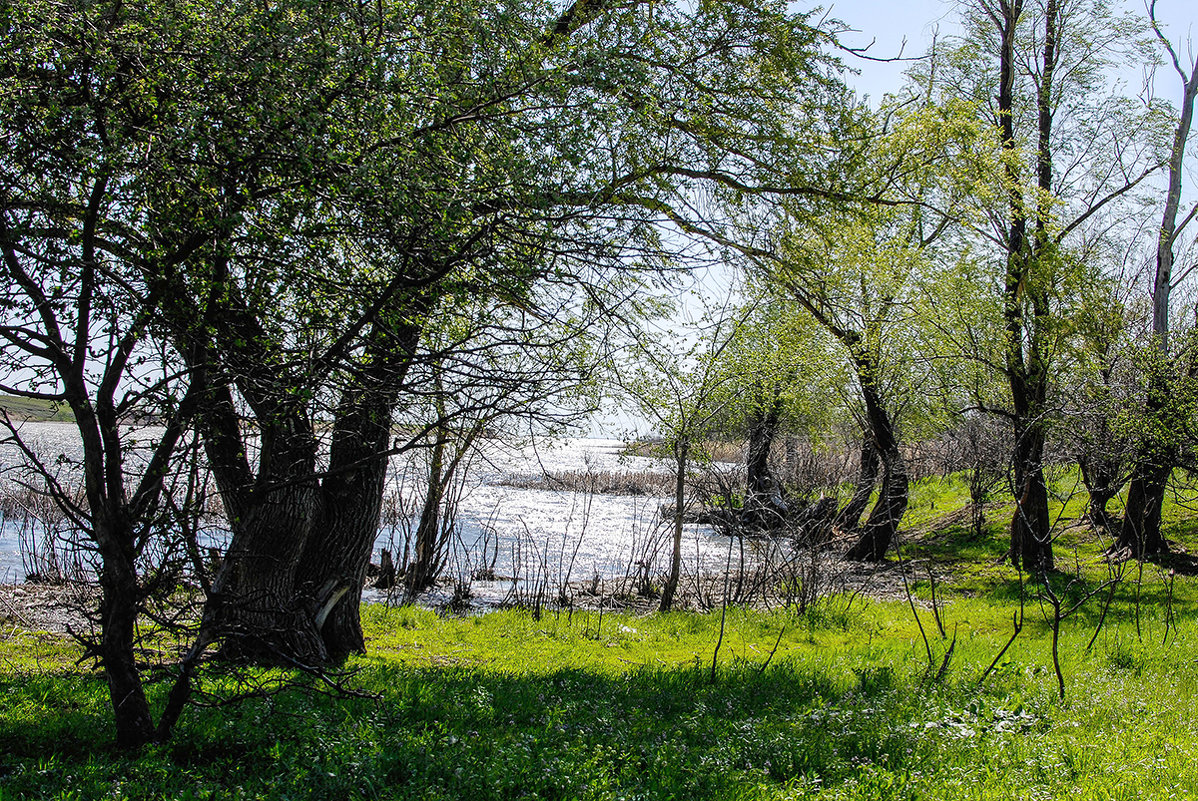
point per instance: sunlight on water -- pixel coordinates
(510, 532)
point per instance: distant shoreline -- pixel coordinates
(34, 410)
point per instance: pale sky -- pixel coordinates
(887, 24)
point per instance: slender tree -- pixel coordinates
(1140, 534)
(1037, 73)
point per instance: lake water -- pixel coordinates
(548, 535)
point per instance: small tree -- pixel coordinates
(682, 388)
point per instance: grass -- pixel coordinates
(842, 702)
(33, 410)
(508, 706)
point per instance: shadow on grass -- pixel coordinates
(462, 733)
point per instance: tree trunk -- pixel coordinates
(1031, 543)
(1026, 310)
(1140, 535)
(118, 610)
(423, 569)
(1141, 531)
(764, 506)
(681, 453)
(849, 518)
(332, 570)
(1100, 475)
(254, 604)
(882, 525)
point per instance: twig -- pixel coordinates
(773, 650)
(723, 611)
(1017, 623)
(1056, 630)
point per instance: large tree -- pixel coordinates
(1141, 534)
(313, 183)
(1068, 149)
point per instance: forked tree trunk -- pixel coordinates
(1140, 535)
(1101, 479)
(882, 525)
(1026, 308)
(849, 518)
(254, 605)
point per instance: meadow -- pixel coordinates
(857, 697)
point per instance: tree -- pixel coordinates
(852, 270)
(516, 189)
(778, 361)
(78, 321)
(1140, 534)
(1065, 152)
(683, 388)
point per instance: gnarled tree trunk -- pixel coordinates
(764, 506)
(1100, 475)
(882, 525)
(849, 518)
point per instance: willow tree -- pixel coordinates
(785, 382)
(857, 282)
(849, 256)
(554, 145)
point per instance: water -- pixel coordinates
(551, 535)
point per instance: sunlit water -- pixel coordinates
(526, 538)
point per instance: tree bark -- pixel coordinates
(119, 607)
(1140, 535)
(882, 525)
(1025, 304)
(332, 571)
(1031, 544)
(849, 518)
(423, 569)
(764, 505)
(254, 602)
(681, 455)
(1100, 475)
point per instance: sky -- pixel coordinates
(887, 25)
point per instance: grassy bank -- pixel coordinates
(568, 706)
(857, 698)
(33, 410)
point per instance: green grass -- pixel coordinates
(32, 410)
(583, 706)
(508, 706)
